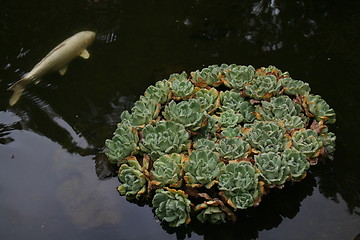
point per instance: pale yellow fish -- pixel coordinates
(56, 60)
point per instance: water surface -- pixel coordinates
(54, 181)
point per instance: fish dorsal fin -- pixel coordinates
(63, 70)
(85, 54)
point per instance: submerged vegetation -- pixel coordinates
(211, 143)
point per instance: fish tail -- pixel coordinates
(18, 89)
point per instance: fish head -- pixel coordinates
(88, 37)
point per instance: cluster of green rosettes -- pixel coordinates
(215, 141)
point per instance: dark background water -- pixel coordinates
(54, 181)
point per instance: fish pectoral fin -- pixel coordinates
(63, 70)
(85, 54)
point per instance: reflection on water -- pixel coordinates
(90, 206)
(9, 122)
(139, 43)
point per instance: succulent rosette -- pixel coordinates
(237, 77)
(172, 206)
(272, 70)
(159, 93)
(238, 177)
(273, 168)
(210, 76)
(168, 170)
(240, 184)
(124, 143)
(208, 98)
(297, 163)
(277, 108)
(178, 76)
(267, 136)
(242, 200)
(328, 140)
(232, 148)
(144, 111)
(163, 138)
(231, 100)
(188, 113)
(294, 122)
(211, 211)
(181, 87)
(307, 142)
(230, 118)
(293, 87)
(231, 132)
(263, 87)
(202, 168)
(210, 143)
(320, 109)
(204, 144)
(132, 178)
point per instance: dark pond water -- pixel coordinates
(56, 184)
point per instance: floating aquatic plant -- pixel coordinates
(273, 169)
(232, 148)
(159, 93)
(208, 99)
(230, 118)
(231, 132)
(277, 108)
(133, 180)
(328, 140)
(231, 100)
(202, 168)
(239, 185)
(123, 144)
(293, 87)
(172, 206)
(207, 145)
(187, 113)
(267, 136)
(263, 87)
(318, 108)
(204, 144)
(144, 111)
(307, 142)
(297, 162)
(294, 122)
(211, 211)
(210, 76)
(168, 170)
(163, 138)
(180, 86)
(237, 77)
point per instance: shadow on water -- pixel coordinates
(139, 43)
(275, 207)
